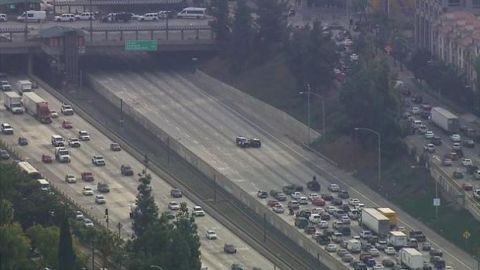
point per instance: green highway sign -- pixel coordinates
(141, 45)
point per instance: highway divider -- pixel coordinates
(222, 181)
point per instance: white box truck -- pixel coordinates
(445, 120)
(13, 102)
(33, 16)
(375, 221)
(411, 258)
(397, 239)
(24, 86)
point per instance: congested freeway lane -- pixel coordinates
(122, 189)
(181, 104)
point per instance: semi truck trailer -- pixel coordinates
(445, 120)
(37, 107)
(375, 221)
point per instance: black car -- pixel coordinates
(337, 202)
(469, 143)
(103, 187)
(22, 141)
(343, 194)
(126, 170)
(262, 194)
(436, 140)
(327, 197)
(436, 252)
(229, 249)
(4, 154)
(388, 263)
(289, 189)
(314, 185)
(457, 175)
(176, 193)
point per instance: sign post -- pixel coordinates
(141, 45)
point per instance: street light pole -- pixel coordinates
(324, 121)
(379, 167)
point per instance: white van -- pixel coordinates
(192, 12)
(33, 16)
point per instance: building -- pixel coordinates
(428, 11)
(18, 6)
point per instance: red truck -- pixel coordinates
(37, 107)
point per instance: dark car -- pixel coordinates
(343, 194)
(436, 252)
(22, 141)
(115, 147)
(176, 193)
(314, 185)
(255, 143)
(237, 266)
(327, 197)
(457, 174)
(229, 249)
(4, 154)
(289, 189)
(323, 240)
(262, 194)
(126, 170)
(103, 187)
(337, 202)
(388, 263)
(417, 99)
(469, 143)
(418, 235)
(87, 176)
(325, 216)
(436, 140)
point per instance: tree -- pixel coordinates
(241, 37)
(14, 248)
(369, 101)
(107, 243)
(6, 212)
(311, 57)
(220, 25)
(186, 228)
(272, 24)
(45, 239)
(146, 212)
(66, 255)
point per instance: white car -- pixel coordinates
(296, 195)
(315, 218)
(74, 142)
(429, 134)
(390, 251)
(85, 16)
(313, 196)
(378, 267)
(456, 138)
(374, 252)
(100, 199)
(3, 17)
(98, 160)
(53, 114)
(87, 191)
(70, 178)
(198, 211)
(278, 208)
(323, 224)
(67, 17)
(303, 200)
(331, 248)
(467, 162)
(148, 17)
(334, 188)
(415, 110)
(331, 209)
(354, 57)
(353, 202)
(174, 206)
(83, 135)
(66, 109)
(6, 129)
(211, 235)
(88, 223)
(79, 215)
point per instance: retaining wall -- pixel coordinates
(222, 181)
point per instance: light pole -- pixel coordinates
(379, 152)
(309, 92)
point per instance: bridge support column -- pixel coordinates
(71, 57)
(30, 63)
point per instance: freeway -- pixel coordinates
(123, 189)
(183, 105)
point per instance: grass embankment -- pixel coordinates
(404, 183)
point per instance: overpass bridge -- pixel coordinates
(65, 45)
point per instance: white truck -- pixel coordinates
(62, 155)
(24, 86)
(445, 120)
(397, 239)
(13, 102)
(411, 258)
(354, 246)
(375, 221)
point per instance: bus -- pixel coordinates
(29, 170)
(44, 185)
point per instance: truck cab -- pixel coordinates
(57, 141)
(62, 155)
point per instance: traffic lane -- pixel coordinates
(212, 130)
(97, 23)
(117, 202)
(336, 178)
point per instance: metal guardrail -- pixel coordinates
(117, 2)
(148, 28)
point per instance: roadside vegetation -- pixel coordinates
(38, 229)
(366, 99)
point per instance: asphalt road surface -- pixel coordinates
(123, 189)
(181, 103)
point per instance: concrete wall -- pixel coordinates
(222, 181)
